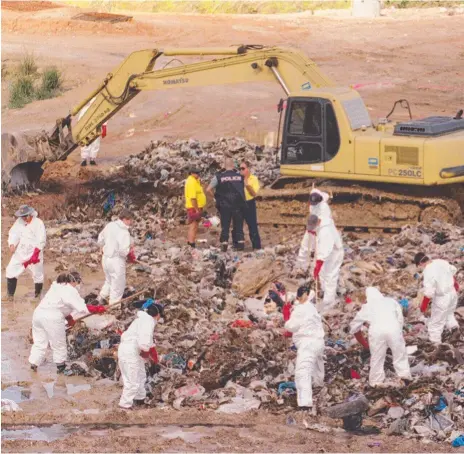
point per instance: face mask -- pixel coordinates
(78, 287)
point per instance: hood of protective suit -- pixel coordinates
(324, 195)
(311, 297)
(374, 296)
(121, 224)
(322, 210)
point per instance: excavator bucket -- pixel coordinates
(24, 153)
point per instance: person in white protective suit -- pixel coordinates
(308, 335)
(385, 318)
(318, 205)
(329, 258)
(115, 240)
(440, 287)
(91, 151)
(26, 241)
(60, 304)
(136, 345)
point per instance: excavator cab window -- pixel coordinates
(311, 131)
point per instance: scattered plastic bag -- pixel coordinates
(458, 442)
(239, 405)
(442, 404)
(193, 391)
(100, 322)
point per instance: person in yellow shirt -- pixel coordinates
(251, 191)
(195, 200)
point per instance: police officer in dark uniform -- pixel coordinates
(230, 202)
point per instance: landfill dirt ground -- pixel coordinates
(412, 54)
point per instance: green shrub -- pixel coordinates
(50, 85)
(22, 92)
(27, 66)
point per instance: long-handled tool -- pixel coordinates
(113, 306)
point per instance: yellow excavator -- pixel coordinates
(380, 176)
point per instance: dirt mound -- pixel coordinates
(29, 6)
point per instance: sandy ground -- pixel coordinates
(414, 55)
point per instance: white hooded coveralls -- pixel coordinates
(89, 151)
(49, 324)
(385, 318)
(116, 241)
(27, 237)
(329, 249)
(137, 338)
(439, 287)
(308, 334)
(324, 213)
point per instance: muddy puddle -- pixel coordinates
(33, 433)
(74, 389)
(49, 433)
(16, 394)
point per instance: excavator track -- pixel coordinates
(359, 207)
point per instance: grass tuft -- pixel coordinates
(22, 92)
(27, 66)
(51, 84)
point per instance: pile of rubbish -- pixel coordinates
(169, 162)
(153, 180)
(221, 347)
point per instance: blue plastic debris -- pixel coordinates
(458, 442)
(288, 387)
(442, 404)
(148, 303)
(175, 361)
(404, 304)
(110, 203)
(338, 343)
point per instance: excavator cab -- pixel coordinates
(310, 134)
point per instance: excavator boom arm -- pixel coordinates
(290, 68)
